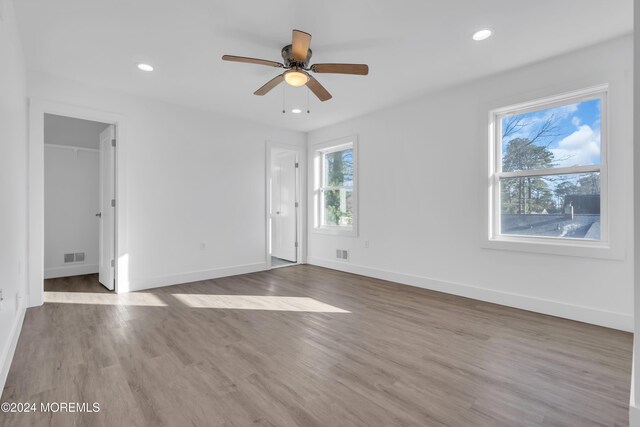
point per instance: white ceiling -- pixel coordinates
(412, 47)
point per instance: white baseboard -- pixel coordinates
(591, 315)
(70, 270)
(6, 357)
(194, 276)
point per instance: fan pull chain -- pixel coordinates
(308, 111)
(283, 95)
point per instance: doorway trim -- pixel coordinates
(301, 197)
(37, 109)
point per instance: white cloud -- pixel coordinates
(564, 111)
(575, 121)
(582, 147)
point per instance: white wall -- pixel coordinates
(13, 188)
(423, 163)
(186, 177)
(71, 200)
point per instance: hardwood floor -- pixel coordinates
(308, 346)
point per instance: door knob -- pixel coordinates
(278, 213)
(99, 214)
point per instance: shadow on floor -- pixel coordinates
(85, 283)
(279, 262)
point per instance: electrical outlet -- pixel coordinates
(366, 243)
(203, 246)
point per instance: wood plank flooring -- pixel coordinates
(326, 349)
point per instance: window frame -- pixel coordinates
(547, 244)
(319, 151)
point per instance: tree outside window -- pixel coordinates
(337, 188)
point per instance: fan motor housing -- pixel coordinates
(289, 61)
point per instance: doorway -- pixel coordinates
(284, 210)
(79, 202)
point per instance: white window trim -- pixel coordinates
(318, 150)
(542, 244)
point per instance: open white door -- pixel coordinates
(283, 206)
(106, 269)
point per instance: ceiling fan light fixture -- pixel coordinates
(296, 78)
(296, 57)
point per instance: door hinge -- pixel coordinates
(297, 204)
(296, 244)
(113, 263)
(297, 164)
(113, 203)
(113, 142)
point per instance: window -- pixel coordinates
(548, 170)
(335, 187)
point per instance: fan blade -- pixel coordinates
(300, 45)
(251, 60)
(359, 69)
(318, 89)
(269, 85)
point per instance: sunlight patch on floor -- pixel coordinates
(257, 302)
(142, 299)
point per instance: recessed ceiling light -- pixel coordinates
(483, 34)
(145, 67)
(296, 111)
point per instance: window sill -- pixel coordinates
(553, 246)
(336, 231)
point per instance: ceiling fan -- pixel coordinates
(296, 61)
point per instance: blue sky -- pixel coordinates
(578, 132)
